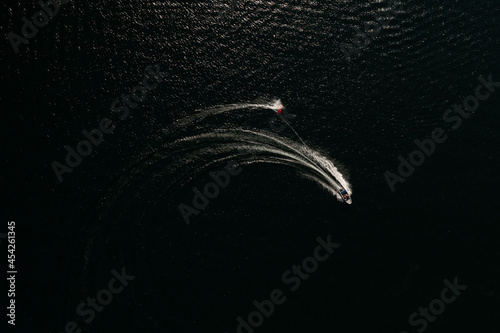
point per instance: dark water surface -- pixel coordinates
(119, 208)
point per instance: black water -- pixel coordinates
(119, 207)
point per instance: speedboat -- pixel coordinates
(345, 196)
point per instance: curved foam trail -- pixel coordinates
(203, 113)
(328, 165)
(321, 170)
(278, 156)
(272, 105)
(314, 158)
